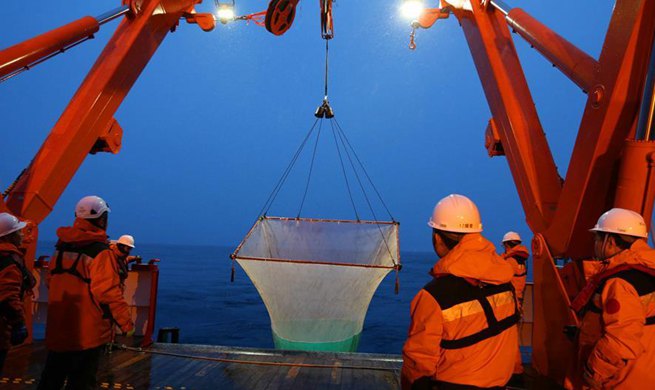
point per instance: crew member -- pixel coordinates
(517, 256)
(15, 281)
(84, 300)
(463, 323)
(121, 249)
(617, 334)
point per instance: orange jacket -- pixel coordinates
(121, 265)
(447, 339)
(517, 258)
(616, 345)
(84, 291)
(15, 281)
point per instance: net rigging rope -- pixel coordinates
(343, 169)
(311, 169)
(341, 141)
(285, 174)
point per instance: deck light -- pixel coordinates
(225, 11)
(412, 9)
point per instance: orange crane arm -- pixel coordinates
(562, 211)
(514, 116)
(605, 169)
(26, 54)
(609, 118)
(87, 124)
(88, 117)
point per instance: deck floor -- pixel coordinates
(123, 369)
(159, 369)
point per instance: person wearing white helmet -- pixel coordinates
(121, 249)
(517, 255)
(85, 300)
(616, 339)
(15, 282)
(463, 331)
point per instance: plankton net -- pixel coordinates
(317, 276)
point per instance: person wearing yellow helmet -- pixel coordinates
(463, 331)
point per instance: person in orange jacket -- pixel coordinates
(121, 249)
(616, 340)
(517, 256)
(463, 323)
(15, 282)
(85, 300)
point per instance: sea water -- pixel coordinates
(195, 295)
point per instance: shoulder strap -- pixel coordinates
(5, 261)
(450, 291)
(642, 280)
(91, 250)
(638, 276)
(584, 296)
(28, 280)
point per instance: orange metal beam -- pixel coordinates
(90, 112)
(563, 214)
(609, 118)
(552, 351)
(25, 53)
(514, 113)
(573, 62)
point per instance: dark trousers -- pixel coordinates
(77, 369)
(454, 386)
(426, 383)
(3, 356)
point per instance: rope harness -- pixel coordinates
(346, 154)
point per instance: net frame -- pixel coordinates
(396, 260)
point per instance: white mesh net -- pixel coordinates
(317, 277)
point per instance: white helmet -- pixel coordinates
(456, 213)
(9, 224)
(512, 236)
(91, 207)
(622, 221)
(126, 240)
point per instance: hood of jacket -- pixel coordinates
(519, 251)
(9, 248)
(639, 253)
(475, 257)
(82, 232)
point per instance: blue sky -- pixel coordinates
(215, 117)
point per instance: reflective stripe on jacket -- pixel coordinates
(463, 323)
(617, 334)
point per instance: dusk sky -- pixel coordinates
(215, 118)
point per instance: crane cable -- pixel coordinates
(325, 111)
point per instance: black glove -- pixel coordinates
(423, 383)
(18, 334)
